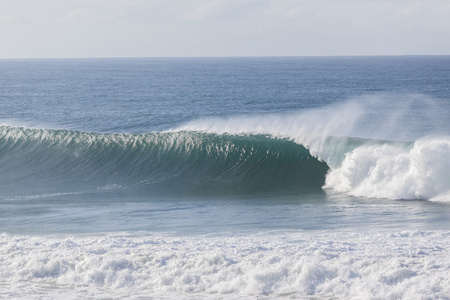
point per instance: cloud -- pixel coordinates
(74, 15)
(5, 19)
(220, 10)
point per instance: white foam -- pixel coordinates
(404, 265)
(395, 172)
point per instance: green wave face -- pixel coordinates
(51, 161)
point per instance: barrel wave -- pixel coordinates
(41, 161)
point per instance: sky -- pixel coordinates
(210, 28)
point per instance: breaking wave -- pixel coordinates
(399, 156)
(290, 153)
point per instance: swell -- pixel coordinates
(39, 161)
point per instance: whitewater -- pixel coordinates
(284, 265)
(243, 178)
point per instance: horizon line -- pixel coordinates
(212, 57)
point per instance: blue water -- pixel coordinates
(213, 147)
(142, 95)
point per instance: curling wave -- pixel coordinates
(48, 161)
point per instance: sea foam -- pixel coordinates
(405, 265)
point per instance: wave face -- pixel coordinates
(52, 161)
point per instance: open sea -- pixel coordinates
(225, 178)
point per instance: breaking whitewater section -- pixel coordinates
(371, 151)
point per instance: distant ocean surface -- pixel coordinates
(225, 178)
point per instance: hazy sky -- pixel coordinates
(147, 28)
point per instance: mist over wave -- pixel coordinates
(402, 151)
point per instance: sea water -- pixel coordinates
(225, 178)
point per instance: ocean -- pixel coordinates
(225, 178)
